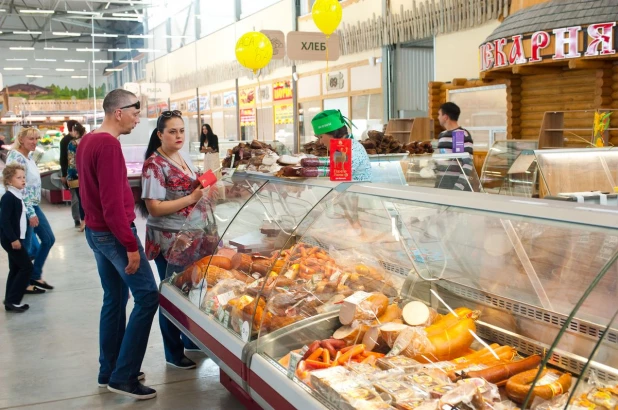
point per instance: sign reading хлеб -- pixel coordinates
(312, 46)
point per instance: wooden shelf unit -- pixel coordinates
(406, 130)
(552, 134)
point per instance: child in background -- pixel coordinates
(12, 235)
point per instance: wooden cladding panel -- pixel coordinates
(569, 90)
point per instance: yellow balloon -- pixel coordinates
(254, 50)
(327, 15)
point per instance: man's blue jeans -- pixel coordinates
(122, 351)
(39, 250)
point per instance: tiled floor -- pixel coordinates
(49, 355)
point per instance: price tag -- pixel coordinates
(220, 312)
(245, 331)
(209, 305)
(226, 318)
(225, 297)
(294, 359)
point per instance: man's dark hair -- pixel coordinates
(116, 99)
(451, 110)
(71, 125)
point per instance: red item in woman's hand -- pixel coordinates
(208, 179)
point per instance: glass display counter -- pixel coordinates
(269, 272)
(511, 169)
(564, 171)
(444, 171)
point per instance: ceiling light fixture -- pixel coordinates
(66, 34)
(128, 61)
(56, 49)
(16, 59)
(21, 48)
(64, 69)
(36, 11)
(29, 33)
(79, 76)
(139, 36)
(102, 61)
(104, 35)
(113, 69)
(119, 50)
(46, 60)
(34, 76)
(88, 49)
(74, 61)
(2, 11)
(40, 69)
(13, 68)
(84, 13)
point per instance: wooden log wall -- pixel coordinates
(437, 97)
(613, 135)
(568, 90)
(513, 107)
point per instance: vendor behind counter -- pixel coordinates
(331, 124)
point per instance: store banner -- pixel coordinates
(282, 90)
(229, 99)
(247, 96)
(555, 45)
(247, 117)
(204, 103)
(277, 39)
(216, 100)
(192, 105)
(312, 46)
(284, 114)
(264, 94)
(154, 110)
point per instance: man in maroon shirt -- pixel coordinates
(108, 203)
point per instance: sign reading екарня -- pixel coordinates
(557, 44)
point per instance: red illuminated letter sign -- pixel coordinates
(540, 40)
(572, 42)
(487, 56)
(501, 60)
(601, 34)
(516, 56)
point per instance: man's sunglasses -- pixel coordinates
(136, 104)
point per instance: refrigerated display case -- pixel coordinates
(511, 169)
(263, 271)
(444, 171)
(47, 158)
(564, 171)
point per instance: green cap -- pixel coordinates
(328, 121)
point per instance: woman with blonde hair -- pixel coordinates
(24, 146)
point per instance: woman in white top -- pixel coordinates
(24, 146)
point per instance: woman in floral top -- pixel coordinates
(169, 193)
(24, 146)
(72, 177)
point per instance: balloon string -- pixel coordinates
(327, 70)
(257, 121)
